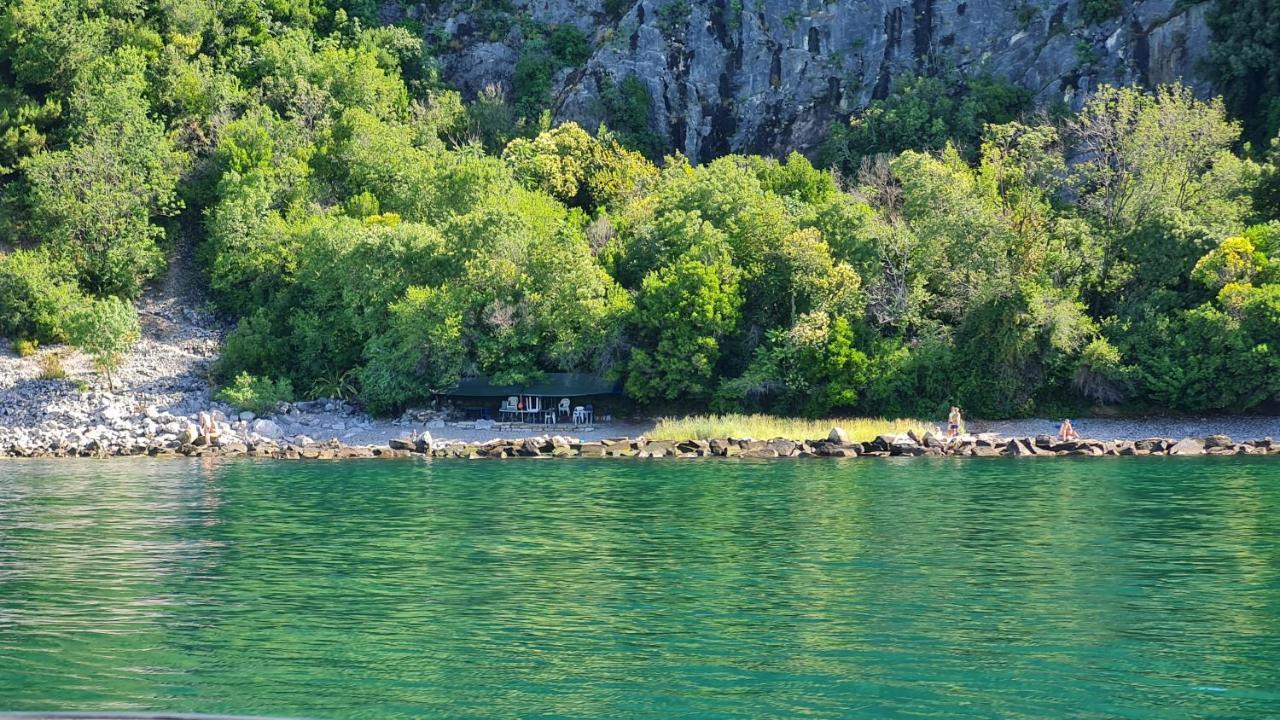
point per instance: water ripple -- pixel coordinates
(1092, 589)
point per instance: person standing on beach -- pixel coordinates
(953, 422)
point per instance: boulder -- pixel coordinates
(886, 442)
(187, 434)
(660, 448)
(1019, 448)
(267, 429)
(782, 446)
(692, 446)
(397, 444)
(226, 439)
(1188, 446)
(1149, 445)
(1217, 441)
(424, 442)
(247, 416)
(838, 435)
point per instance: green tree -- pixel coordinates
(93, 203)
(683, 312)
(1245, 59)
(576, 168)
(421, 352)
(105, 329)
(36, 296)
(924, 113)
(1149, 153)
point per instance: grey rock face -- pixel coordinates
(768, 76)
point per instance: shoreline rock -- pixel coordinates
(232, 441)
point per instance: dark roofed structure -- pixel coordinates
(550, 385)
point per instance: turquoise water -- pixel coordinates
(1128, 588)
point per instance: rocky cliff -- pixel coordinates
(769, 76)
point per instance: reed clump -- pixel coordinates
(763, 427)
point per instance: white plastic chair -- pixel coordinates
(563, 407)
(579, 415)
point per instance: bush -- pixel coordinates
(258, 395)
(51, 367)
(568, 45)
(628, 110)
(924, 113)
(255, 347)
(36, 295)
(105, 329)
(1099, 11)
(25, 348)
(420, 354)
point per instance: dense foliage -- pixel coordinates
(105, 329)
(1245, 61)
(378, 238)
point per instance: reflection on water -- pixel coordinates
(1140, 588)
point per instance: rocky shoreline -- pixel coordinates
(165, 391)
(186, 443)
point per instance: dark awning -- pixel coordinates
(551, 384)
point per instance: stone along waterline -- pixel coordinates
(601, 589)
(837, 445)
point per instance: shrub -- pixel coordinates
(568, 45)
(1100, 375)
(35, 296)
(258, 395)
(51, 367)
(105, 329)
(1233, 261)
(25, 348)
(628, 110)
(421, 353)
(254, 347)
(925, 113)
(1098, 11)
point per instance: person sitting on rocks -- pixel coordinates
(1067, 432)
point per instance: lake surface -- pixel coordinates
(1064, 588)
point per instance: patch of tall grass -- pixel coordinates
(51, 367)
(767, 427)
